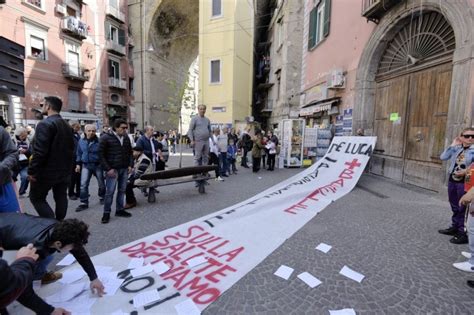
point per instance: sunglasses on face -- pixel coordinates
(468, 136)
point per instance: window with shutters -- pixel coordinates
(216, 8)
(114, 69)
(319, 20)
(37, 48)
(74, 100)
(115, 34)
(215, 76)
(36, 41)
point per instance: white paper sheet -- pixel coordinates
(351, 274)
(72, 275)
(325, 248)
(110, 282)
(66, 261)
(187, 307)
(145, 298)
(345, 311)
(141, 271)
(196, 261)
(67, 292)
(161, 268)
(136, 263)
(119, 312)
(284, 272)
(80, 304)
(309, 279)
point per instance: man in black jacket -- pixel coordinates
(52, 161)
(115, 153)
(48, 236)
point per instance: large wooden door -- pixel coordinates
(408, 148)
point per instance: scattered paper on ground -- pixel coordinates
(136, 263)
(187, 307)
(284, 272)
(325, 248)
(161, 268)
(346, 311)
(145, 298)
(119, 312)
(141, 271)
(196, 261)
(67, 292)
(309, 279)
(110, 282)
(351, 274)
(80, 304)
(66, 261)
(72, 275)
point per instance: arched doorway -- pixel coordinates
(412, 93)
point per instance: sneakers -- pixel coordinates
(464, 266)
(219, 179)
(466, 254)
(82, 207)
(123, 214)
(51, 277)
(449, 231)
(130, 205)
(105, 218)
(460, 238)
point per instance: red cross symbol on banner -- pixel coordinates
(353, 164)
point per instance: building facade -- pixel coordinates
(401, 70)
(69, 48)
(226, 59)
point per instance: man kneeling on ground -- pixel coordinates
(48, 236)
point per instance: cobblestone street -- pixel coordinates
(385, 230)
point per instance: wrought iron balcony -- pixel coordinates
(75, 72)
(74, 27)
(115, 13)
(375, 9)
(117, 83)
(115, 47)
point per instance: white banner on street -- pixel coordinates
(232, 241)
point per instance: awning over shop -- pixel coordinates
(314, 108)
(79, 116)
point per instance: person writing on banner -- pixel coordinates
(461, 155)
(17, 276)
(49, 236)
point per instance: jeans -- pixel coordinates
(455, 192)
(41, 267)
(120, 180)
(86, 175)
(39, 191)
(24, 180)
(224, 167)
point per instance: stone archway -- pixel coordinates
(166, 33)
(462, 88)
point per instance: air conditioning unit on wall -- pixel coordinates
(61, 9)
(336, 79)
(115, 99)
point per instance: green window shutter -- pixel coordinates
(327, 17)
(107, 31)
(312, 29)
(111, 69)
(121, 37)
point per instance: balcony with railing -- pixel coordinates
(115, 47)
(75, 72)
(74, 27)
(118, 83)
(114, 13)
(375, 9)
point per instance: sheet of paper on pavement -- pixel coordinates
(111, 282)
(136, 263)
(72, 275)
(66, 261)
(161, 268)
(119, 312)
(351, 274)
(346, 311)
(196, 261)
(67, 292)
(187, 307)
(141, 271)
(284, 272)
(325, 248)
(145, 298)
(80, 304)
(309, 279)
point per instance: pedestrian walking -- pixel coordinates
(24, 152)
(115, 153)
(246, 145)
(88, 165)
(199, 134)
(461, 155)
(74, 190)
(51, 161)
